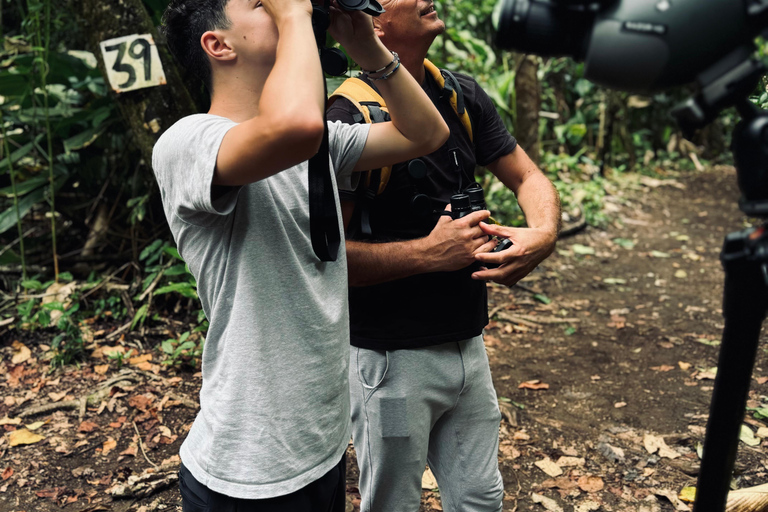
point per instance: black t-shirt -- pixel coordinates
(439, 307)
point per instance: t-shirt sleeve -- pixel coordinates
(184, 161)
(492, 140)
(346, 142)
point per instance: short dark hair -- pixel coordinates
(184, 23)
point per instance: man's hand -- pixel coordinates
(354, 31)
(281, 9)
(452, 244)
(531, 247)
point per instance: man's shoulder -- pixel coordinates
(189, 130)
(192, 123)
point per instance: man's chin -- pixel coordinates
(439, 28)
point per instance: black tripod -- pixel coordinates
(745, 260)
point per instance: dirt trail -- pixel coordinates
(635, 358)
(619, 327)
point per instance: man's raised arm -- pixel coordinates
(417, 128)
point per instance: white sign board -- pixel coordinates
(132, 62)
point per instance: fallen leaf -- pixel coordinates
(562, 482)
(20, 353)
(134, 361)
(672, 497)
(140, 402)
(549, 467)
(87, 426)
(748, 437)
(533, 384)
(570, 461)
(130, 451)
(663, 368)
(591, 483)
(709, 374)
(521, 436)
(101, 369)
(762, 432)
(548, 503)
(173, 459)
(681, 274)
(109, 445)
(7, 473)
(103, 352)
(51, 493)
(619, 405)
(684, 366)
(612, 453)
(656, 444)
(587, 506)
(428, 480)
(10, 421)
(658, 254)
(508, 451)
(35, 426)
(688, 494)
(55, 397)
(23, 436)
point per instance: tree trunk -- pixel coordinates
(146, 112)
(528, 104)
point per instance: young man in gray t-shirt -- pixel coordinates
(274, 418)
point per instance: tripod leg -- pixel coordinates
(744, 309)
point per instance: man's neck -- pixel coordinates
(414, 63)
(236, 97)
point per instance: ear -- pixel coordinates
(378, 28)
(216, 46)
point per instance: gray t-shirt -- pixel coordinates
(274, 406)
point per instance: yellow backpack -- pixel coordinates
(373, 109)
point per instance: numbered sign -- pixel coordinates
(132, 62)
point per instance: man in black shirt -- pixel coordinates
(419, 377)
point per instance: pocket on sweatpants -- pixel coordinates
(372, 367)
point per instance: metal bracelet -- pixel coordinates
(395, 60)
(386, 77)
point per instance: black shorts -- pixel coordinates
(326, 494)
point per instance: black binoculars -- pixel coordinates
(333, 60)
(371, 7)
(473, 200)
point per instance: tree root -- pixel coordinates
(93, 399)
(147, 483)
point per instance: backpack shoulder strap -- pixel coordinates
(453, 91)
(373, 109)
(362, 96)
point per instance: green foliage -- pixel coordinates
(186, 350)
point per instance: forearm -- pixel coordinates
(375, 263)
(540, 203)
(296, 74)
(411, 109)
(536, 195)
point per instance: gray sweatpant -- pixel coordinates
(433, 405)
